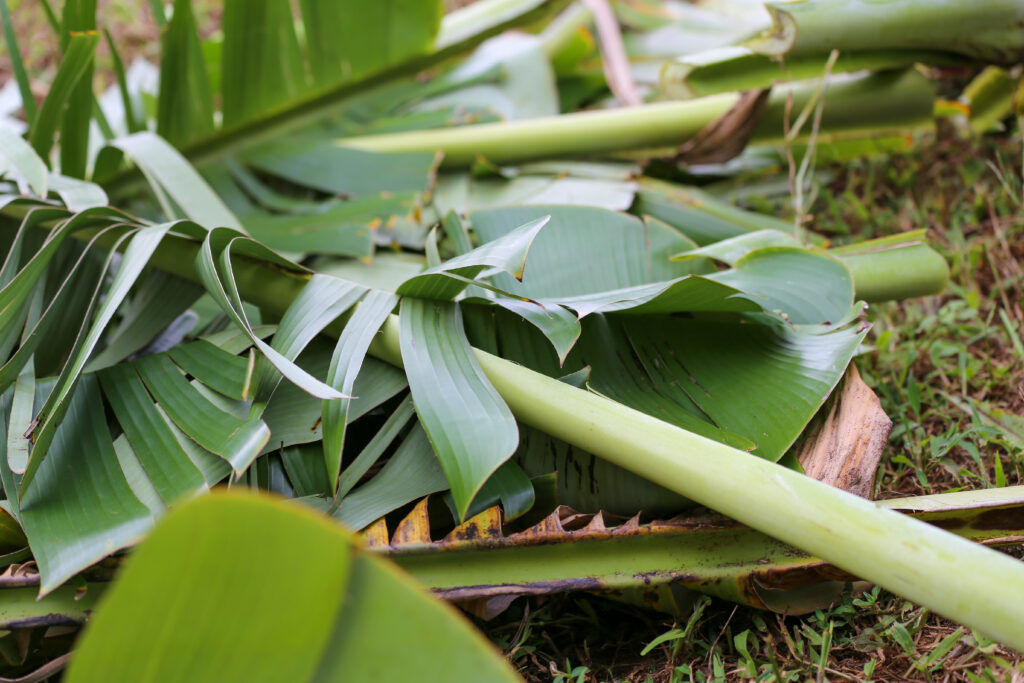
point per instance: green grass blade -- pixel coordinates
(78, 16)
(469, 426)
(134, 120)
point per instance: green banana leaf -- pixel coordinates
(239, 587)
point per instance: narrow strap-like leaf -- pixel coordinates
(57, 308)
(169, 468)
(80, 507)
(134, 121)
(507, 253)
(472, 430)
(156, 302)
(136, 258)
(75, 64)
(165, 166)
(560, 325)
(28, 101)
(319, 303)
(236, 440)
(345, 365)
(220, 283)
(223, 372)
(411, 473)
(185, 104)
(261, 64)
(77, 195)
(21, 419)
(372, 452)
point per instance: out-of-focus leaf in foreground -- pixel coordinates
(234, 587)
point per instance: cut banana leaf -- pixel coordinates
(262, 572)
(346, 364)
(412, 473)
(469, 425)
(593, 260)
(80, 508)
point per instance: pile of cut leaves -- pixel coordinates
(481, 294)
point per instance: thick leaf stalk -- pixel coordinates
(910, 558)
(860, 106)
(987, 30)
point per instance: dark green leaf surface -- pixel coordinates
(236, 440)
(169, 468)
(261, 66)
(388, 31)
(185, 104)
(346, 363)
(343, 171)
(79, 508)
(411, 473)
(223, 372)
(470, 427)
(77, 62)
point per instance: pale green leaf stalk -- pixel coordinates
(974, 585)
(987, 30)
(855, 107)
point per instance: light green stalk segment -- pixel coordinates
(594, 132)
(737, 67)
(899, 272)
(912, 559)
(989, 30)
(855, 106)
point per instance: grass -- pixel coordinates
(938, 364)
